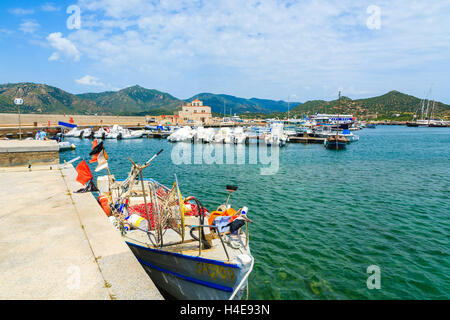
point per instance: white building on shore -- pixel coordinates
(195, 112)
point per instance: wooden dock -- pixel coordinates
(157, 135)
(306, 139)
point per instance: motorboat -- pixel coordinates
(223, 134)
(239, 135)
(100, 133)
(182, 134)
(276, 136)
(336, 142)
(114, 132)
(130, 134)
(87, 133)
(74, 132)
(346, 133)
(65, 145)
(204, 135)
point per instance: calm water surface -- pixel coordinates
(326, 216)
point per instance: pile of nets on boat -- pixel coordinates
(139, 209)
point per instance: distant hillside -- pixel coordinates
(240, 105)
(386, 106)
(134, 100)
(41, 98)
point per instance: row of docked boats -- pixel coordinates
(432, 123)
(114, 132)
(274, 135)
(330, 131)
(427, 116)
(335, 130)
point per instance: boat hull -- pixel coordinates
(186, 277)
(137, 136)
(332, 145)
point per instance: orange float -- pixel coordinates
(104, 203)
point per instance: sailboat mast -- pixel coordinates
(338, 113)
(432, 111)
(428, 103)
(423, 106)
(426, 115)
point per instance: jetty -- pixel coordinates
(306, 139)
(58, 244)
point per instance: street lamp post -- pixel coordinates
(18, 102)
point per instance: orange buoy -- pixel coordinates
(104, 203)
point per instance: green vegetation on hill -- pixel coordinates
(232, 104)
(136, 100)
(41, 98)
(392, 105)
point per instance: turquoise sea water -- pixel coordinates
(326, 216)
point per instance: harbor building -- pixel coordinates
(195, 112)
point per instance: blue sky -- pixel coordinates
(273, 49)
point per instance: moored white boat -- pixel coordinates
(181, 134)
(222, 135)
(204, 135)
(100, 134)
(75, 132)
(276, 136)
(129, 134)
(114, 132)
(239, 135)
(65, 145)
(87, 133)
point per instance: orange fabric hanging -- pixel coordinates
(94, 157)
(84, 173)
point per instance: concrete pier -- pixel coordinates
(57, 244)
(25, 152)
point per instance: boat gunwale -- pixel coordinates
(188, 257)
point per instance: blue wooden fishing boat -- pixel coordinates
(336, 142)
(188, 252)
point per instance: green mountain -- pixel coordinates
(41, 98)
(134, 100)
(237, 105)
(391, 105)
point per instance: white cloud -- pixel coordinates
(88, 80)
(271, 47)
(29, 26)
(21, 11)
(65, 48)
(49, 7)
(6, 31)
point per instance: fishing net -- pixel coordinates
(191, 210)
(165, 209)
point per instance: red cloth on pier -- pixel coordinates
(84, 173)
